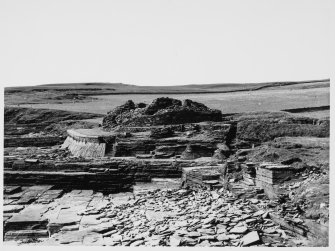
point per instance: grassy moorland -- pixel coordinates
(263, 100)
(114, 88)
(230, 98)
(58, 93)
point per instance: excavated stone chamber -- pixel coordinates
(163, 129)
(185, 141)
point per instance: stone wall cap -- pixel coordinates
(274, 166)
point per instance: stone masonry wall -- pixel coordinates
(32, 141)
(84, 149)
(113, 175)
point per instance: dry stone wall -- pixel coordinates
(112, 175)
(89, 146)
(32, 141)
(86, 149)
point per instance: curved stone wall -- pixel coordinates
(84, 145)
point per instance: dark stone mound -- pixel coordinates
(161, 104)
(162, 111)
(112, 115)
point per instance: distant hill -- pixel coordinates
(119, 88)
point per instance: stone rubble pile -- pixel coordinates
(180, 218)
(294, 201)
(162, 111)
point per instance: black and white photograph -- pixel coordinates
(166, 123)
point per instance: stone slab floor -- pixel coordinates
(41, 215)
(32, 214)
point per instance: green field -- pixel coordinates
(234, 102)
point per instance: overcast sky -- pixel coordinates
(160, 42)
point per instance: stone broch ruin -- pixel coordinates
(168, 138)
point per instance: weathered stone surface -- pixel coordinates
(175, 241)
(11, 189)
(105, 181)
(205, 176)
(250, 239)
(238, 230)
(72, 237)
(30, 217)
(25, 234)
(137, 243)
(66, 211)
(112, 116)
(12, 208)
(158, 133)
(223, 237)
(193, 234)
(12, 141)
(49, 196)
(93, 239)
(194, 151)
(165, 217)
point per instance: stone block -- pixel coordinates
(250, 239)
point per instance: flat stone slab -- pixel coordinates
(32, 193)
(12, 208)
(15, 196)
(67, 217)
(94, 132)
(12, 189)
(69, 237)
(33, 212)
(26, 234)
(238, 230)
(93, 239)
(250, 239)
(49, 196)
(154, 215)
(27, 217)
(9, 201)
(30, 217)
(68, 208)
(89, 220)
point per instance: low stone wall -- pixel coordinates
(109, 181)
(113, 175)
(33, 141)
(170, 147)
(129, 147)
(162, 168)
